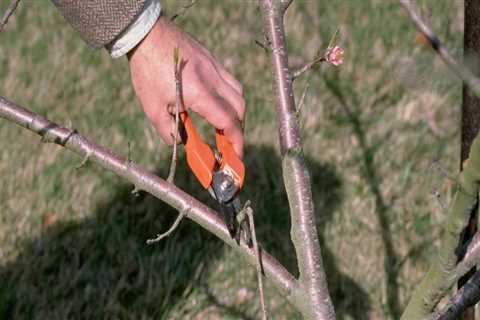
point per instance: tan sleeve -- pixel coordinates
(100, 21)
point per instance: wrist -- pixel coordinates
(137, 31)
(155, 36)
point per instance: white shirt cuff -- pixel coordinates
(135, 33)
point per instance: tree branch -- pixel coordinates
(467, 296)
(251, 223)
(8, 13)
(184, 9)
(470, 259)
(167, 192)
(457, 67)
(304, 234)
(444, 271)
(307, 66)
(174, 226)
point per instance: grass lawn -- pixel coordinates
(379, 131)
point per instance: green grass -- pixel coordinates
(72, 242)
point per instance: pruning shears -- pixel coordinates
(220, 171)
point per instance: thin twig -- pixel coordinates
(174, 226)
(302, 97)
(83, 163)
(444, 172)
(178, 101)
(8, 13)
(318, 58)
(457, 67)
(253, 236)
(309, 65)
(184, 10)
(262, 45)
(167, 192)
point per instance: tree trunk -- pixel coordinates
(470, 114)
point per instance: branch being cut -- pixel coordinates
(457, 67)
(304, 234)
(167, 192)
(8, 13)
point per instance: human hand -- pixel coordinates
(208, 89)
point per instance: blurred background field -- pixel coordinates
(379, 132)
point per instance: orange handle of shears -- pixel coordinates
(200, 157)
(230, 161)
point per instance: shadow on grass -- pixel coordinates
(101, 267)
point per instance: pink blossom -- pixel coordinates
(334, 55)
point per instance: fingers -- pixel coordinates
(234, 83)
(217, 110)
(232, 91)
(234, 99)
(165, 127)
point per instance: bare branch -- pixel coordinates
(183, 10)
(178, 101)
(84, 162)
(457, 67)
(284, 4)
(249, 212)
(309, 65)
(317, 302)
(167, 192)
(470, 258)
(262, 45)
(174, 226)
(302, 97)
(8, 13)
(467, 296)
(444, 270)
(322, 58)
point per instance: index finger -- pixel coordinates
(218, 112)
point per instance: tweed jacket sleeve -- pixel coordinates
(99, 22)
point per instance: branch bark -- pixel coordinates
(439, 277)
(296, 176)
(144, 180)
(443, 271)
(470, 119)
(466, 297)
(457, 67)
(8, 13)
